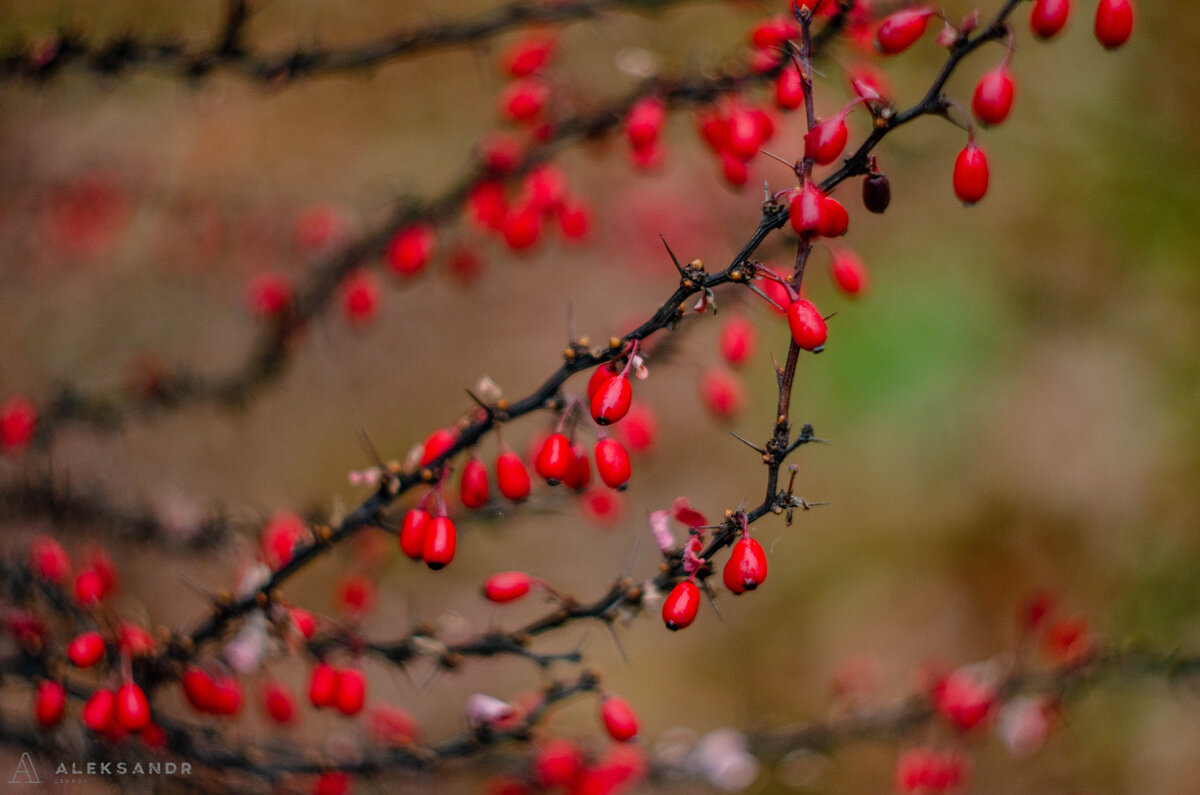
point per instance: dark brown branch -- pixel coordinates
(69, 506)
(229, 51)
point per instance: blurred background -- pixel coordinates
(1012, 405)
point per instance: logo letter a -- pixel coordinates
(25, 773)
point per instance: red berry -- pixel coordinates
(1048, 17)
(899, 31)
(639, 430)
(619, 720)
(876, 192)
(473, 485)
(48, 560)
(522, 227)
(611, 400)
(100, 711)
(644, 122)
(441, 540)
(993, 96)
(834, 218)
(601, 507)
(323, 685)
(89, 587)
(544, 187)
(391, 725)
(1035, 608)
(524, 100)
(746, 568)
(964, 700)
(1114, 22)
(507, 586)
(789, 88)
(612, 463)
(501, 153)
(742, 134)
(1069, 641)
(134, 641)
(574, 220)
(511, 476)
(360, 298)
(970, 174)
(438, 443)
(922, 771)
(558, 764)
(333, 782)
(599, 376)
(227, 696)
(199, 689)
(351, 692)
(805, 208)
(282, 532)
(27, 628)
(826, 141)
(99, 560)
(133, 710)
(154, 737)
(304, 621)
(580, 475)
(86, 649)
(528, 55)
(722, 393)
(50, 704)
(806, 324)
(681, 605)
(269, 294)
(487, 205)
(869, 83)
(412, 532)
(278, 702)
(356, 595)
(773, 32)
(738, 340)
(554, 460)
(18, 421)
(849, 273)
(410, 249)
(735, 171)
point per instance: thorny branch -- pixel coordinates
(579, 357)
(277, 342)
(886, 724)
(270, 357)
(229, 51)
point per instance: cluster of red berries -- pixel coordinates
(212, 695)
(433, 539)
(18, 423)
(1065, 641)
(95, 580)
(559, 765)
(344, 689)
(928, 771)
(993, 97)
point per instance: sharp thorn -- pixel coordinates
(774, 156)
(748, 443)
(674, 259)
(631, 556)
(616, 641)
(371, 449)
(708, 592)
(479, 402)
(766, 298)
